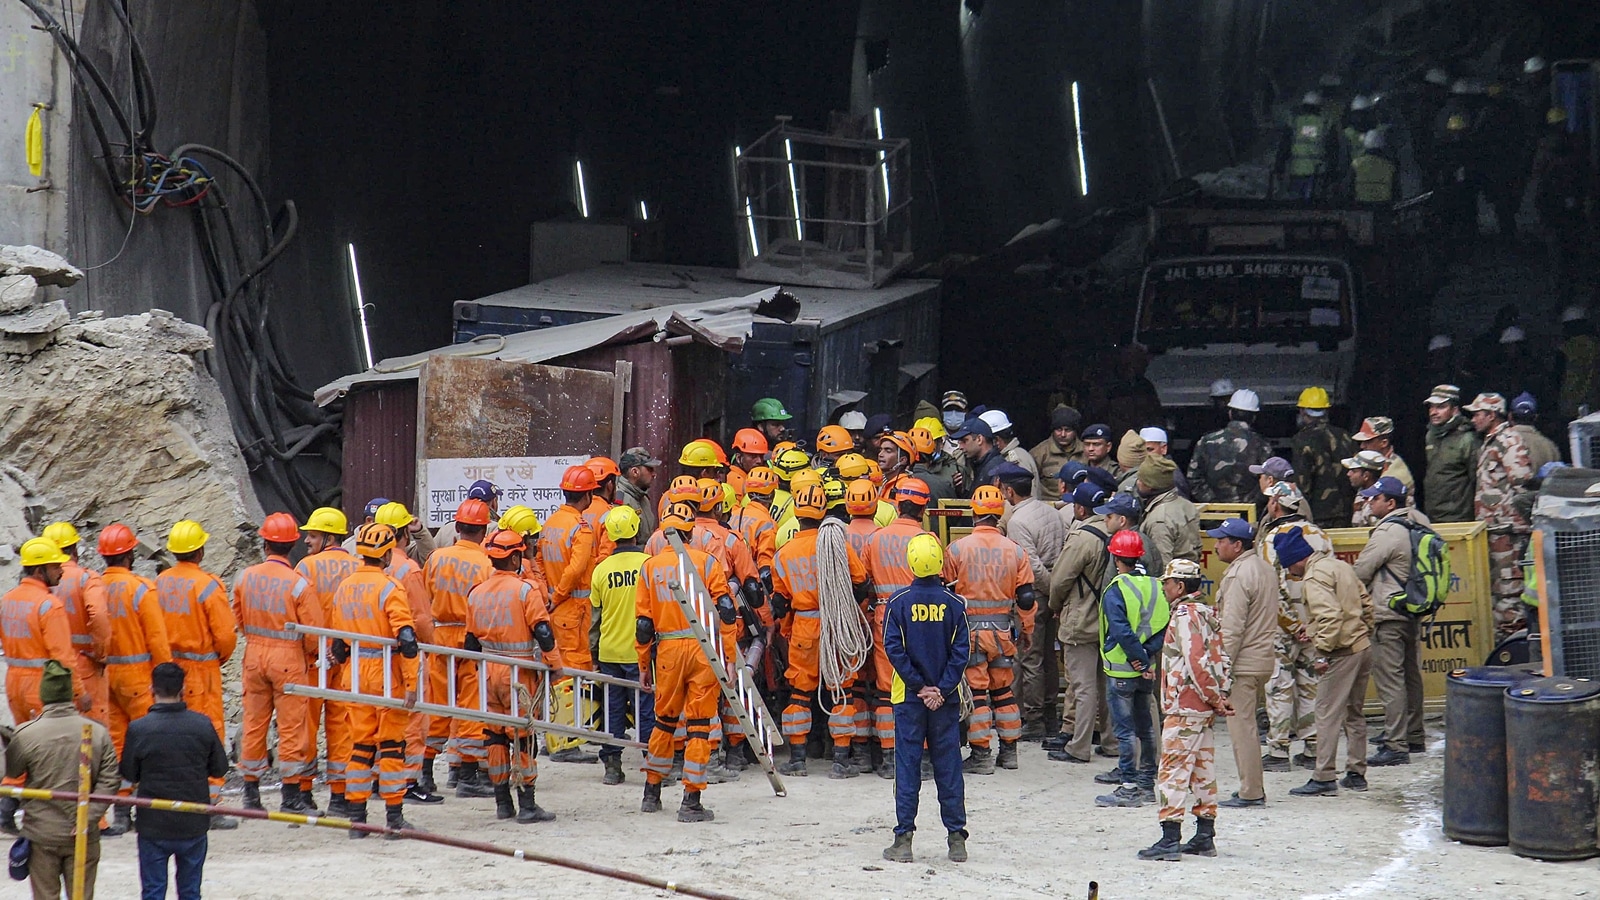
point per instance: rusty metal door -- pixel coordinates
(470, 407)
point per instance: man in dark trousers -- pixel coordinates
(170, 754)
(925, 637)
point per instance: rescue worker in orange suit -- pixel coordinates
(750, 449)
(683, 489)
(138, 644)
(994, 576)
(451, 574)
(896, 455)
(525, 522)
(753, 520)
(408, 572)
(571, 544)
(605, 474)
(33, 631)
(672, 664)
(712, 534)
(84, 596)
(885, 560)
(796, 602)
(861, 502)
(201, 631)
(325, 566)
(370, 602)
(267, 598)
(506, 616)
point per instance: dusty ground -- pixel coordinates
(1035, 833)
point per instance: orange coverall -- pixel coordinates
(570, 551)
(266, 598)
(739, 563)
(326, 571)
(860, 532)
(450, 576)
(502, 613)
(685, 686)
(604, 546)
(33, 631)
(989, 569)
(202, 633)
(138, 644)
(406, 570)
(370, 602)
(794, 575)
(755, 525)
(886, 563)
(85, 598)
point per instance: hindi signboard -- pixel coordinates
(531, 481)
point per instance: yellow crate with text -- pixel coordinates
(561, 700)
(951, 520)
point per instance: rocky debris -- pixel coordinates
(17, 292)
(1245, 181)
(44, 266)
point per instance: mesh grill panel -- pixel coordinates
(1578, 577)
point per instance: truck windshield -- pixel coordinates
(1244, 301)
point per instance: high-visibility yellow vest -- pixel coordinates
(1308, 151)
(1374, 179)
(1148, 612)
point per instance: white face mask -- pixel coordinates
(953, 419)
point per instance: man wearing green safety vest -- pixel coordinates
(1372, 171)
(1133, 622)
(1303, 153)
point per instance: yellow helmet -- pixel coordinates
(730, 498)
(698, 455)
(834, 490)
(61, 533)
(790, 461)
(327, 520)
(925, 556)
(374, 540)
(187, 537)
(1314, 398)
(622, 523)
(803, 478)
(852, 466)
(522, 520)
(41, 551)
(1456, 122)
(394, 514)
(934, 426)
(1555, 115)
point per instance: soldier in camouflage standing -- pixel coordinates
(1377, 434)
(1319, 448)
(1503, 473)
(1219, 470)
(1292, 690)
(1363, 471)
(1452, 448)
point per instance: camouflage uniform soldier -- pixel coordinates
(1377, 434)
(1219, 470)
(1503, 473)
(1363, 471)
(1318, 449)
(1195, 682)
(1291, 694)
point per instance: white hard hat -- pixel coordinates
(854, 420)
(1461, 86)
(1330, 81)
(1312, 98)
(1511, 335)
(1574, 314)
(1222, 387)
(1360, 102)
(1440, 342)
(1533, 65)
(1153, 435)
(1245, 400)
(1374, 140)
(1437, 76)
(996, 420)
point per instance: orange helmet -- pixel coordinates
(781, 446)
(834, 439)
(749, 440)
(921, 441)
(504, 543)
(852, 466)
(737, 479)
(708, 494)
(903, 441)
(117, 538)
(810, 501)
(684, 489)
(279, 528)
(476, 512)
(578, 479)
(761, 482)
(861, 498)
(679, 516)
(874, 472)
(603, 467)
(987, 501)
(913, 490)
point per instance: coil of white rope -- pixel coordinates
(844, 643)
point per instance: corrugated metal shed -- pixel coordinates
(380, 446)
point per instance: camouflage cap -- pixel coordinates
(1444, 393)
(1182, 569)
(1374, 427)
(1371, 460)
(1287, 495)
(1490, 402)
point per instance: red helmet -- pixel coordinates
(914, 490)
(279, 528)
(749, 440)
(603, 468)
(1127, 544)
(987, 501)
(474, 512)
(117, 538)
(578, 479)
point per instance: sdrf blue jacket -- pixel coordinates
(925, 637)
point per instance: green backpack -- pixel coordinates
(1425, 590)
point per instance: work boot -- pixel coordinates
(1057, 741)
(1064, 756)
(957, 842)
(1007, 758)
(861, 756)
(8, 815)
(690, 809)
(841, 764)
(309, 799)
(886, 768)
(1204, 841)
(733, 758)
(1170, 847)
(1315, 788)
(1417, 746)
(1033, 731)
(472, 782)
(652, 798)
(252, 796)
(796, 765)
(1388, 757)
(1305, 761)
(293, 800)
(613, 770)
(1354, 781)
(900, 851)
(1270, 763)
(574, 754)
(531, 810)
(452, 778)
(1238, 802)
(1112, 777)
(717, 771)
(121, 822)
(395, 821)
(1127, 796)
(337, 807)
(675, 774)
(979, 762)
(503, 807)
(223, 823)
(357, 816)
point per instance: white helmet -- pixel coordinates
(1360, 102)
(1153, 435)
(1374, 140)
(1330, 81)
(854, 420)
(1512, 335)
(1533, 65)
(1461, 86)
(1245, 400)
(1312, 98)
(1574, 314)
(997, 420)
(1437, 76)
(1440, 342)
(1222, 387)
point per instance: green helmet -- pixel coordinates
(769, 409)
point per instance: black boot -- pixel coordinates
(692, 811)
(452, 778)
(841, 764)
(1170, 847)
(356, 814)
(293, 800)
(121, 822)
(1007, 757)
(613, 770)
(861, 756)
(796, 765)
(531, 810)
(652, 798)
(1204, 841)
(337, 807)
(472, 782)
(8, 815)
(503, 807)
(252, 796)
(309, 799)
(886, 768)
(395, 821)
(979, 762)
